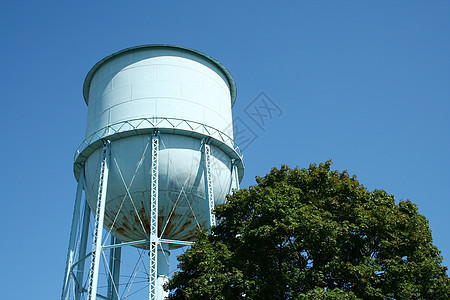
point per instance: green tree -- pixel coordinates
(313, 234)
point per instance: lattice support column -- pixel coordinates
(209, 185)
(99, 217)
(154, 219)
(73, 235)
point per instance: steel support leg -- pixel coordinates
(163, 271)
(99, 217)
(116, 271)
(236, 176)
(111, 268)
(82, 251)
(209, 186)
(154, 219)
(73, 235)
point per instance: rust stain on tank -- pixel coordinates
(124, 224)
(108, 216)
(144, 219)
(129, 225)
(185, 225)
(161, 224)
(121, 231)
(138, 222)
(174, 220)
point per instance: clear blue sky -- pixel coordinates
(365, 83)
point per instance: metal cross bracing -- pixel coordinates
(113, 261)
(160, 240)
(180, 194)
(113, 269)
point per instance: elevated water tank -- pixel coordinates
(185, 97)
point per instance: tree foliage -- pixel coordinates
(313, 234)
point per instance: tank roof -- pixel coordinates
(90, 75)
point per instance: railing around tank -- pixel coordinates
(158, 122)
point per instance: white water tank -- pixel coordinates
(184, 95)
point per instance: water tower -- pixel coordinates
(158, 155)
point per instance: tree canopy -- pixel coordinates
(313, 233)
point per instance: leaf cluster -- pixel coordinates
(313, 233)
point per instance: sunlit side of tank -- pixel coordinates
(170, 84)
(164, 82)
